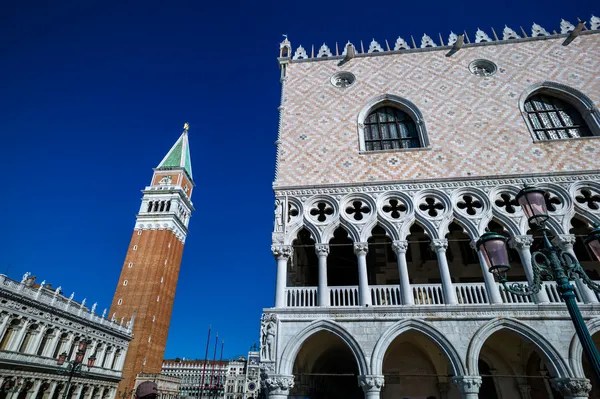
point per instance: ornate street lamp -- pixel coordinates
(75, 366)
(549, 263)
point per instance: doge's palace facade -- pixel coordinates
(391, 162)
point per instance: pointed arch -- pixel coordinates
(555, 362)
(394, 101)
(576, 350)
(507, 223)
(465, 223)
(291, 235)
(582, 103)
(288, 356)
(386, 339)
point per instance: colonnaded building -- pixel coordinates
(391, 161)
(37, 325)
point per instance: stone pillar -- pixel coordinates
(77, 391)
(4, 320)
(278, 386)
(323, 292)
(53, 341)
(468, 386)
(572, 388)
(523, 245)
(565, 242)
(50, 391)
(364, 293)
(282, 253)
(490, 284)
(31, 394)
(89, 393)
(371, 385)
(34, 341)
(439, 246)
(17, 336)
(400, 247)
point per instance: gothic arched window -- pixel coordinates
(388, 128)
(389, 122)
(552, 118)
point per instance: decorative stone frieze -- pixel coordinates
(371, 383)
(278, 384)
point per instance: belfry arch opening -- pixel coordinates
(325, 367)
(414, 366)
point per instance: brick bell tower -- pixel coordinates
(148, 280)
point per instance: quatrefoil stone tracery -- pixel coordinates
(507, 203)
(432, 206)
(357, 209)
(321, 211)
(292, 212)
(586, 197)
(470, 204)
(553, 203)
(394, 208)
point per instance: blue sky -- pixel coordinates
(95, 93)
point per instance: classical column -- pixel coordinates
(468, 386)
(34, 390)
(282, 253)
(34, 341)
(50, 391)
(90, 392)
(17, 336)
(439, 246)
(523, 245)
(565, 242)
(361, 249)
(572, 388)
(322, 251)
(278, 386)
(490, 284)
(371, 385)
(400, 247)
(77, 392)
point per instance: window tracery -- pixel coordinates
(553, 118)
(389, 128)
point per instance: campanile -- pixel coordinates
(148, 280)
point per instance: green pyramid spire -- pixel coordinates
(179, 155)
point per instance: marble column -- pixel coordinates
(468, 386)
(282, 254)
(364, 293)
(32, 393)
(490, 284)
(523, 244)
(50, 391)
(400, 247)
(572, 388)
(278, 386)
(439, 246)
(371, 385)
(322, 251)
(17, 336)
(565, 242)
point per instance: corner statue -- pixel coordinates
(267, 337)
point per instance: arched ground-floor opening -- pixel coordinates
(512, 366)
(325, 368)
(414, 366)
(589, 373)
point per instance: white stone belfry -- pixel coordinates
(566, 26)
(452, 38)
(374, 47)
(324, 51)
(401, 44)
(481, 36)
(300, 53)
(509, 33)
(426, 41)
(537, 30)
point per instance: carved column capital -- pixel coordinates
(521, 242)
(279, 384)
(572, 387)
(361, 248)
(371, 383)
(468, 384)
(400, 246)
(322, 249)
(564, 241)
(282, 251)
(439, 244)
